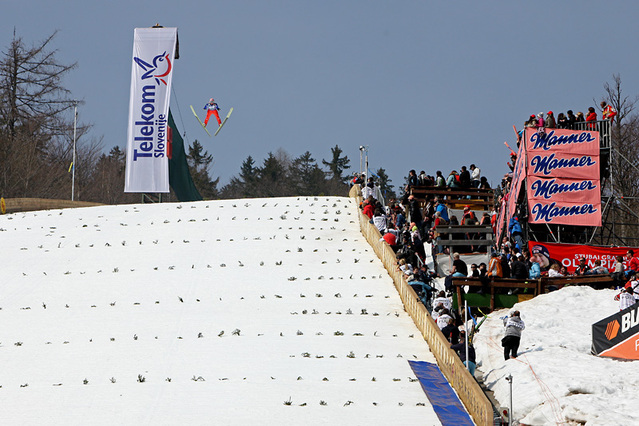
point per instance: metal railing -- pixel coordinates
(603, 127)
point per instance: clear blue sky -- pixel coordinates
(425, 85)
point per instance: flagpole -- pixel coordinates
(75, 124)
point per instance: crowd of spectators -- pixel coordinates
(408, 225)
(569, 120)
(467, 178)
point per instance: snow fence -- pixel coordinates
(474, 399)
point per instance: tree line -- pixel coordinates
(37, 135)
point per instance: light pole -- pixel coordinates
(466, 332)
(75, 125)
(509, 379)
(363, 160)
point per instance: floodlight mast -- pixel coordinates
(363, 159)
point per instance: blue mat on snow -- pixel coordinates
(443, 398)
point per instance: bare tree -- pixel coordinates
(614, 96)
(32, 103)
(624, 147)
(621, 190)
(106, 183)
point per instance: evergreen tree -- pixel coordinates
(199, 165)
(272, 178)
(248, 171)
(306, 177)
(244, 185)
(337, 165)
(384, 183)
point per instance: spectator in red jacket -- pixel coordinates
(592, 116)
(390, 238)
(608, 112)
(632, 263)
(369, 207)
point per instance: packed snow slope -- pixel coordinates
(555, 378)
(257, 311)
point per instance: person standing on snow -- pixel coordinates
(514, 326)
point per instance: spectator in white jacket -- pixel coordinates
(443, 319)
(380, 220)
(475, 176)
(626, 298)
(369, 190)
(440, 303)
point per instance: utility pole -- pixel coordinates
(75, 126)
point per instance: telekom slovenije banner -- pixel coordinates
(562, 177)
(147, 166)
(569, 254)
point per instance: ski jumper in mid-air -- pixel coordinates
(212, 109)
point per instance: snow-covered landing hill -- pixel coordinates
(258, 311)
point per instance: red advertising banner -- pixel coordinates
(568, 255)
(562, 177)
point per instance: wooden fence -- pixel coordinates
(469, 391)
(14, 205)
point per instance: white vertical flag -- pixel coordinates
(147, 165)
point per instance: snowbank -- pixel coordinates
(555, 378)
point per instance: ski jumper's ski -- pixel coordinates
(200, 121)
(224, 121)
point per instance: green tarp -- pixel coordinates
(179, 174)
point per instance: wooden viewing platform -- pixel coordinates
(480, 199)
(499, 288)
(448, 231)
